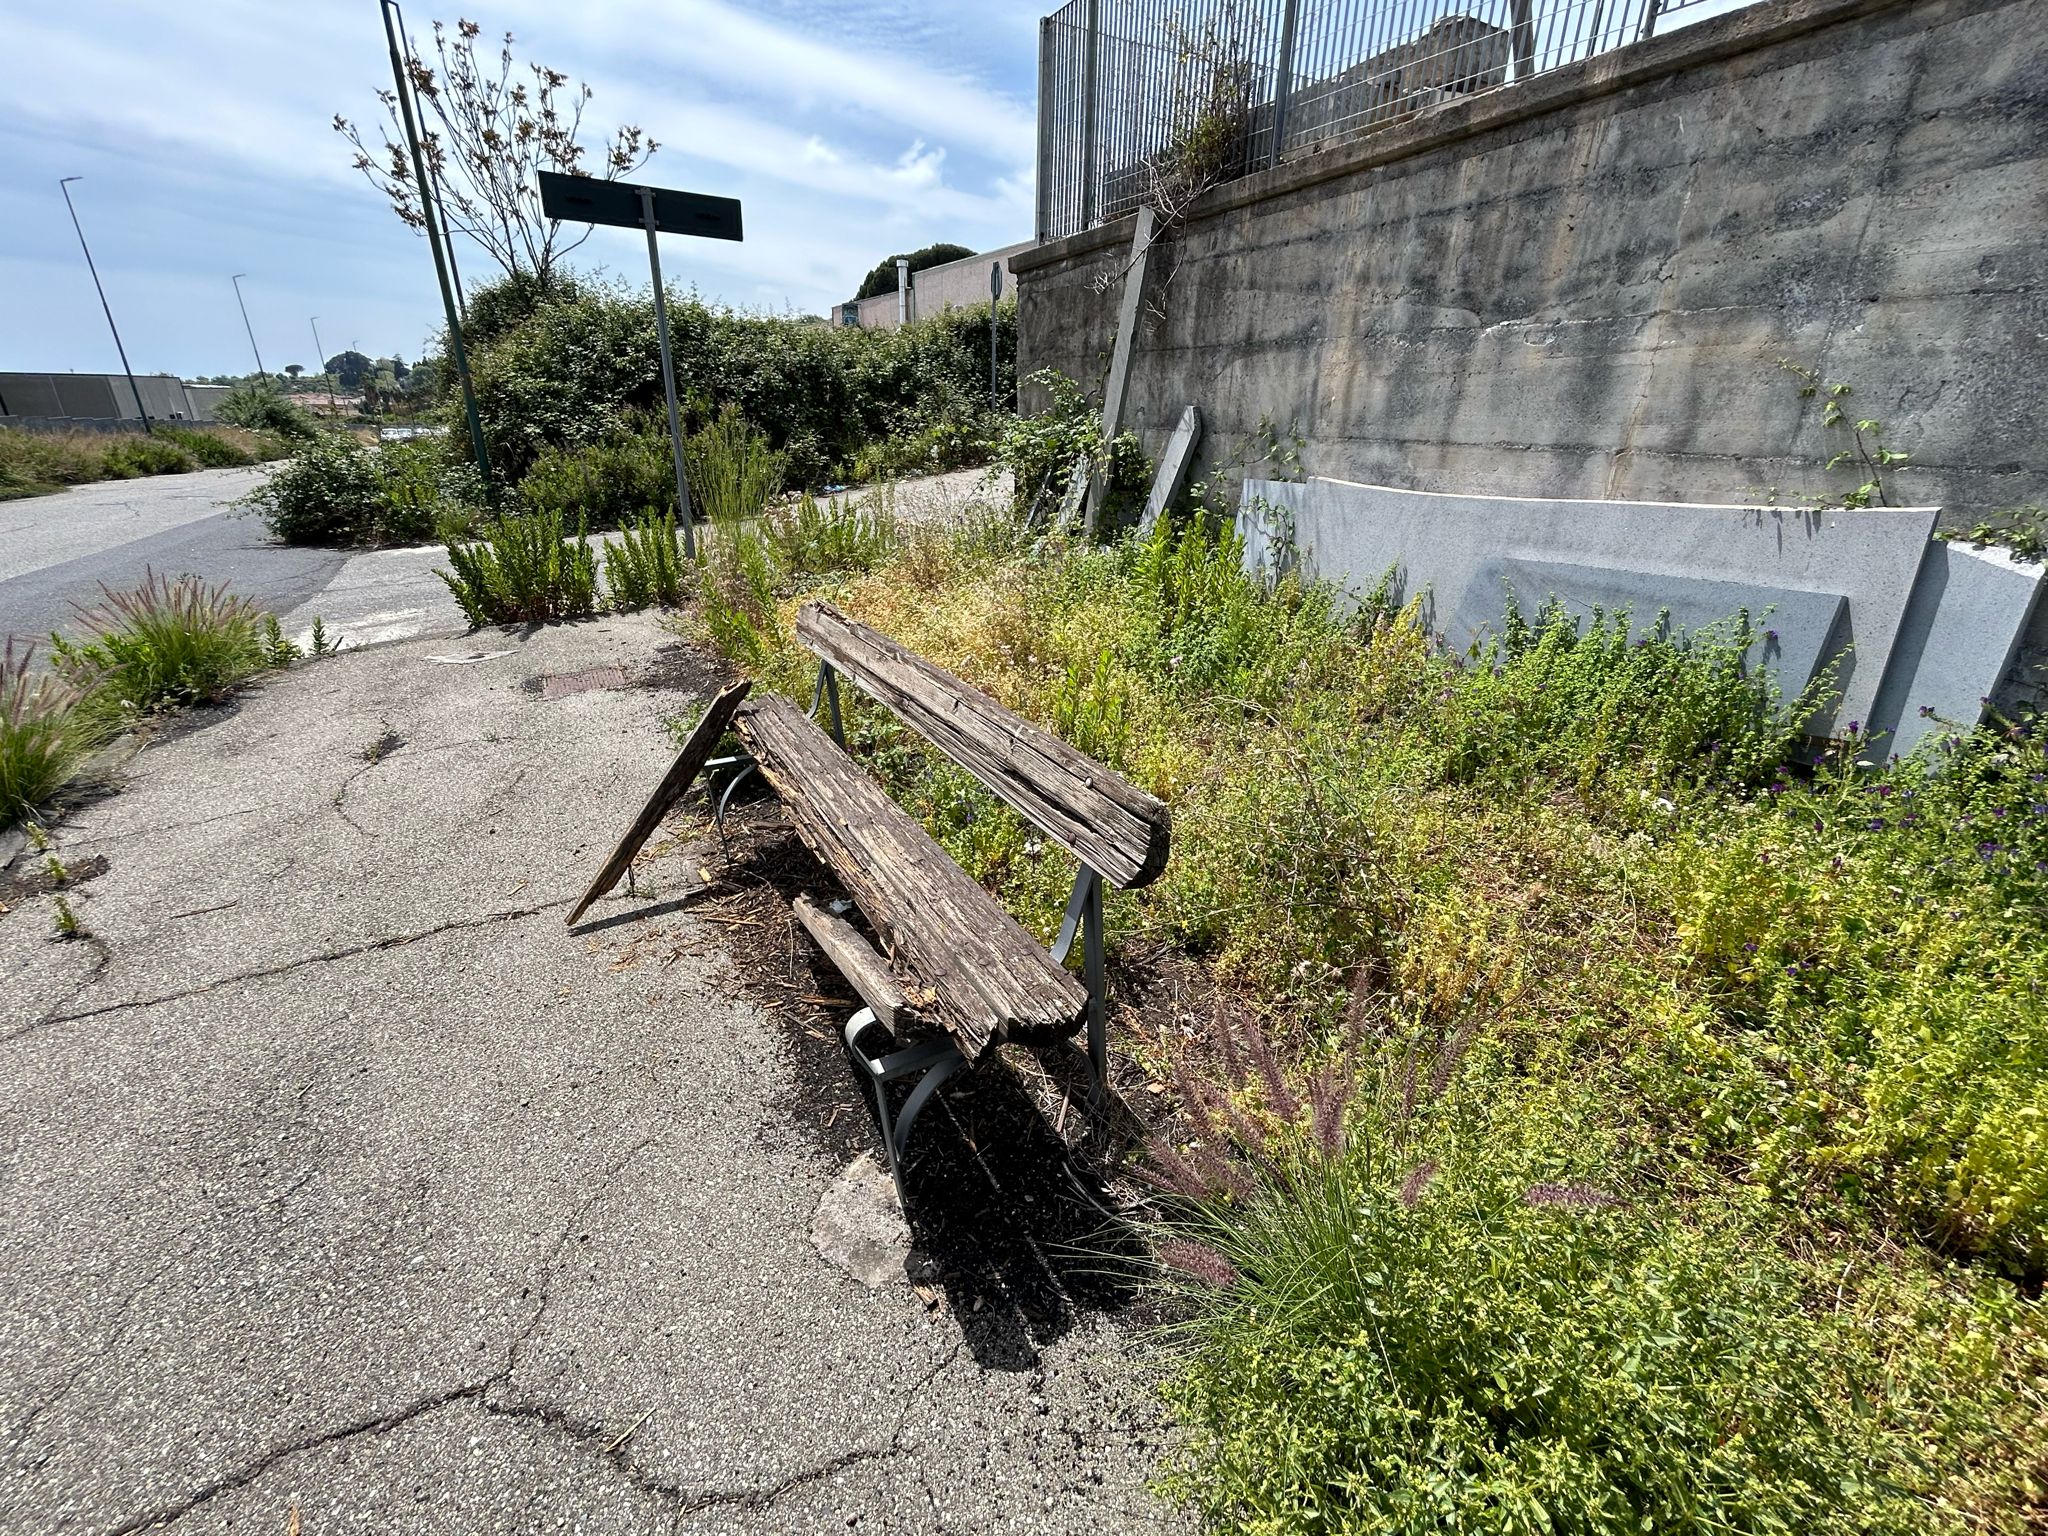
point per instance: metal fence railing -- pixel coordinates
(1152, 100)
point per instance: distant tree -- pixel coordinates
(293, 370)
(488, 131)
(883, 278)
(398, 368)
(348, 369)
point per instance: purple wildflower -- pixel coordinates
(1417, 1182)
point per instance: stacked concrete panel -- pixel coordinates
(1918, 630)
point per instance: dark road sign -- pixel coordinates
(586, 200)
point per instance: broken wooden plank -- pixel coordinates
(1096, 814)
(855, 959)
(966, 961)
(681, 775)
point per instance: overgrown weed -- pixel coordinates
(1789, 1027)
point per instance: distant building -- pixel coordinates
(935, 290)
(103, 398)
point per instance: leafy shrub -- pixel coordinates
(523, 570)
(927, 450)
(842, 534)
(1042, 453)
(261, 407)
(606, 483)
(336, 491)
(163, 644)
(581, 365)
(645, 564)
(43, 737)
(135, 458)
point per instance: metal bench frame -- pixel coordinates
(931, 1062)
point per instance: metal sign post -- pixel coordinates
(587, 200)
(995, 292)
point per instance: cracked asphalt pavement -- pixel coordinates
(341, 1180)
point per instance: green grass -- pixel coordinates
(164, 645)
(1728, 1080)
(37, 463)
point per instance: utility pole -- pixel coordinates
(433, 232)
(237, 281)
(135, 389)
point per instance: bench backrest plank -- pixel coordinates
(1097, 815)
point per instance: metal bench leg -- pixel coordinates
(1084, 915)
(931, 1063)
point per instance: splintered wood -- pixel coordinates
(972, 966)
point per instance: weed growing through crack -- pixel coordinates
(525, 569)
(44, 739)
(164, 644)
(68, 925)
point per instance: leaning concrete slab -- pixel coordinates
(1962, 630)
(1437, 545)
(1173, 467)
(1798, 631)
(1118, 385)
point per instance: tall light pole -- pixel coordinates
(320, 356)
(64, 187)
(237, 281)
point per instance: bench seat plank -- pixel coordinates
(1095, 813)
(973, 966)
(855, 959)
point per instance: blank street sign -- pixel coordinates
(587, 200)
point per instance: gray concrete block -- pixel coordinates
(1173, 467)
(1962, 630)
(1800, 630)
(1438, 545)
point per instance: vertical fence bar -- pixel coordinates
(1283, 78)
(1091, 62)
(1042, 192)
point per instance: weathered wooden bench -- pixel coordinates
(958, 967)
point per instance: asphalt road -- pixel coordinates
(56, 551)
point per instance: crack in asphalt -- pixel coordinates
(246, 1474)
(324, 957)
(545, 1281)
(102, 958)
(115, 1337)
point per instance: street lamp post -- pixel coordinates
(320, 354)
(64, 187)
(237, 281)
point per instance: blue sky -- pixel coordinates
(849, 128)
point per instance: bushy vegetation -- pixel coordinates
(1622, 1131)
(261, 406)
(336, 490)
(645, 566)
(166, 644)
(523, 569)
(578, 365)
(36, 463)
(1043, 452)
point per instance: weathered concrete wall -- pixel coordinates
(955, 285)
(1579, 286)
